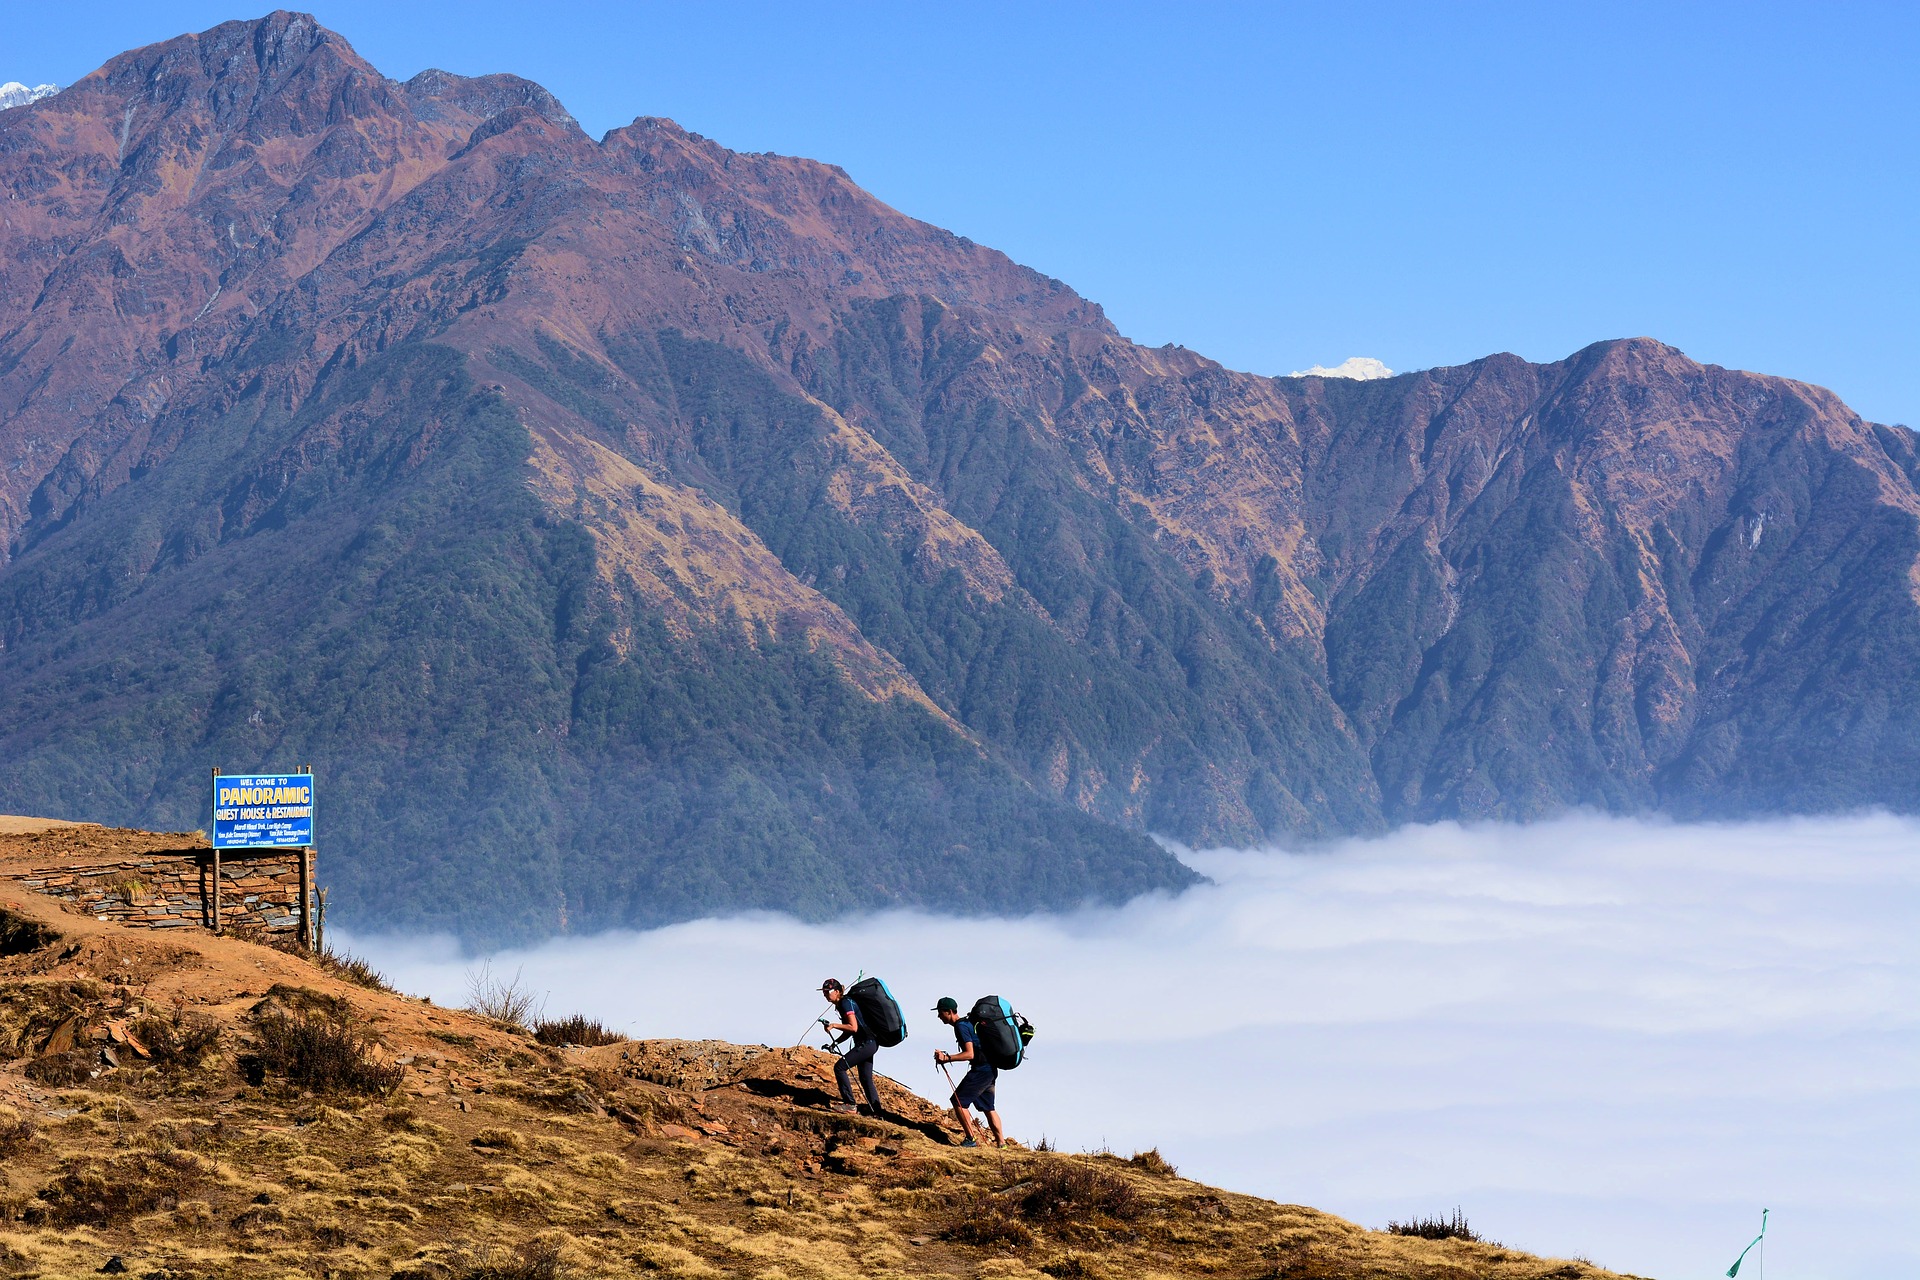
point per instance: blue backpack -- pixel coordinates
(1003, 1033)
(879, 1011)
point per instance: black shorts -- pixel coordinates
(976, 1088)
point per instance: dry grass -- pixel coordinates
(21, 936)
(447, 1149)
(1062, 1189)
(336, 963)
(535, 1260)
(351, 968)
(16, 1133)
(107, 1193)
(60, 1069)
(32, 1012)
(586, 1032)
(1151, 1161)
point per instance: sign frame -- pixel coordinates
(275, 811)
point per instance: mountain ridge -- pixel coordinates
(664, 529)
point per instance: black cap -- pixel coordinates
(947, 1005)
(832, 983)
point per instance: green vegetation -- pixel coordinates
(514, 743)
(370, 586)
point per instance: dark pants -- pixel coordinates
(976, 1087)
(861, 1056)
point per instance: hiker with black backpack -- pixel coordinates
(852, 1026)
(976, 1088)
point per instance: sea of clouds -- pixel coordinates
(1599, 1037)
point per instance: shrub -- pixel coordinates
(340, 964)
(534, 1260)
(101, 1195)
(507, 1003)
(20, 936)
(179, 1042)
(986, 1223)
(322, 1051)
(16, 1133)
(1061, 1190)
(351, 968)
(1151, 1161)
(579, 1029)
(1454, 1228)
(59, 1069)
(38, 1016)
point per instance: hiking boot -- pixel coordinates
(844, 1108)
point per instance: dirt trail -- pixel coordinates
(13, 824)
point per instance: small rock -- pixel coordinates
(114, 1266)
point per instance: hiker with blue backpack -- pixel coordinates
(870, 1017)
(976, 1088)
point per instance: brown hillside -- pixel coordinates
(672, 526)
(130, 1129)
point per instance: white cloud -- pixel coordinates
(1363, 368)
(1598, 1036)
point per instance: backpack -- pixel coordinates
(879, 1011)
(1004, 1034)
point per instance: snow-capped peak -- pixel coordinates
(15, 94)
(1364, 368)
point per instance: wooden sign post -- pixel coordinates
(216, 865)
(306, 886)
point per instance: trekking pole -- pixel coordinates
(816, 1022)
(819, 1021)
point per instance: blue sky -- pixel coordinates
(1284, 185)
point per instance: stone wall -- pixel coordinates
(170, 889)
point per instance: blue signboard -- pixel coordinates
(262, 810)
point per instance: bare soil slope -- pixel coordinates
(204, 1106)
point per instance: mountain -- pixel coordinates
(631, 528)
(15, 94)
(245, 1112)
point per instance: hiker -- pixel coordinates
(976, 1087)
(865, 1044)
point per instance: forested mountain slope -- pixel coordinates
(631, 528)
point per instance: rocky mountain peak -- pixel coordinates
(682, 523)
(485, 96)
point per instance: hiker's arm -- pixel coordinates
(964, 1056)
(851, 1026)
